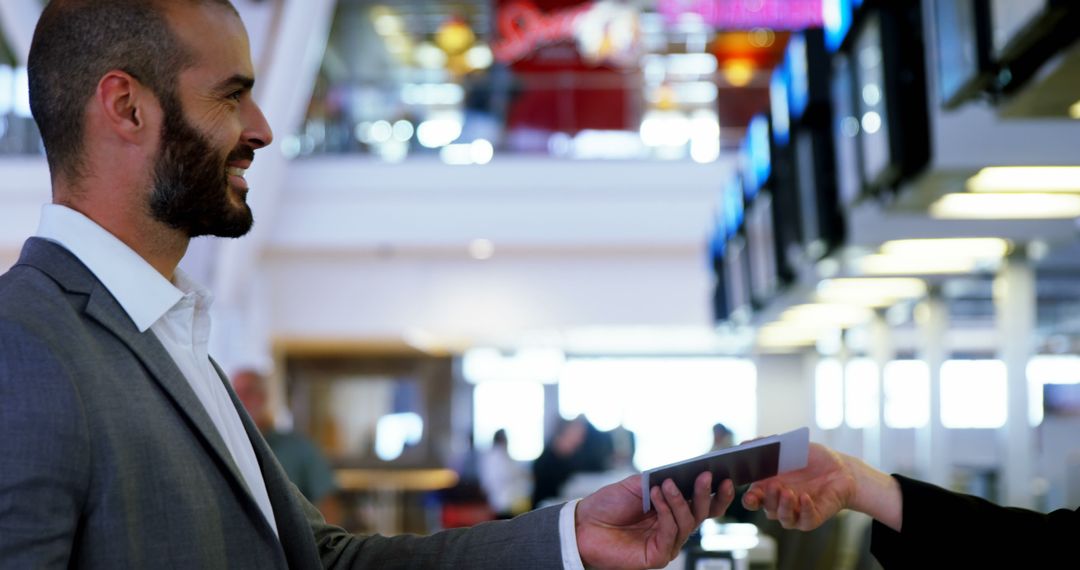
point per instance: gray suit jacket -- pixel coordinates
(108, 459)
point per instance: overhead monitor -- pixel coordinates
(871, 98)
(761, 249)
(890, 95)
(737, 273)
(963, 48)
(845, 127)
(837, 16)
(733, 207)
(778, 104)
(756, 155)
(796, 60)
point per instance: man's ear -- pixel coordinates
(123, 103)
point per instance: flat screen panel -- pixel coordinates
(761, 248)
(836, 19)
(797, 62)
(806, 180)
(734, 209)
(738, 278)
(778, 103)
(845, 132)
(961, 51)
(870, 98)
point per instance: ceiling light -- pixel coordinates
(821, 316)
(1026, 179)
(778, 335)
(1026, 206)
(739, 72)
(898, 265)
(947, 247)
(873, 292)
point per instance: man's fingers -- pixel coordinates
(681, 511)
(669, 530)
(702, 497)
(723, 499)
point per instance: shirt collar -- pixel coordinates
(143, 293)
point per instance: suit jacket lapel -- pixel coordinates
(294, 530)
(74, 277)
(148, 349)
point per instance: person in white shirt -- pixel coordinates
(122, 444)
(505, 481)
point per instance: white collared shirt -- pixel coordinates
(176, 313)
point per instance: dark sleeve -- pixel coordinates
(44, 454)
(528, 542)
(946, 529)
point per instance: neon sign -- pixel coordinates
(603, 31)
(523, 28)
(747, 14)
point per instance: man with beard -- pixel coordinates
(121, 444)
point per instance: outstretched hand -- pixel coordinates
(830, 482)
(612, 532)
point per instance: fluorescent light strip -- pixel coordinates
(1026, 206)
(898, 265)
(966, 248)
(873, 292)
(1044, 179)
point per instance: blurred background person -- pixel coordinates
(722, 437)
(557, 462)
(505, 481)
(302, 461)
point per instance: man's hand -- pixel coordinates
(830, 482)
(612, 532)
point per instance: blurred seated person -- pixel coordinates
(557, 462)
(505, 481)
(302, 461)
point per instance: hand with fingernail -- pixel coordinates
(613, 532)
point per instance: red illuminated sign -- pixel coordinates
(523, 28)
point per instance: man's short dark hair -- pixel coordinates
(76, 43)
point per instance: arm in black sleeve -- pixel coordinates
(946, 529)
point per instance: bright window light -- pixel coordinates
(22, 93)
(517, 407)
(907, 393)
(1048, 369)
(861, 393)
(829, 394)
(670, 404)
(394, 431)
(973, 394)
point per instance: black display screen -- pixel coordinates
(963, 48)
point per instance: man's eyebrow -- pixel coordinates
(235, 81)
